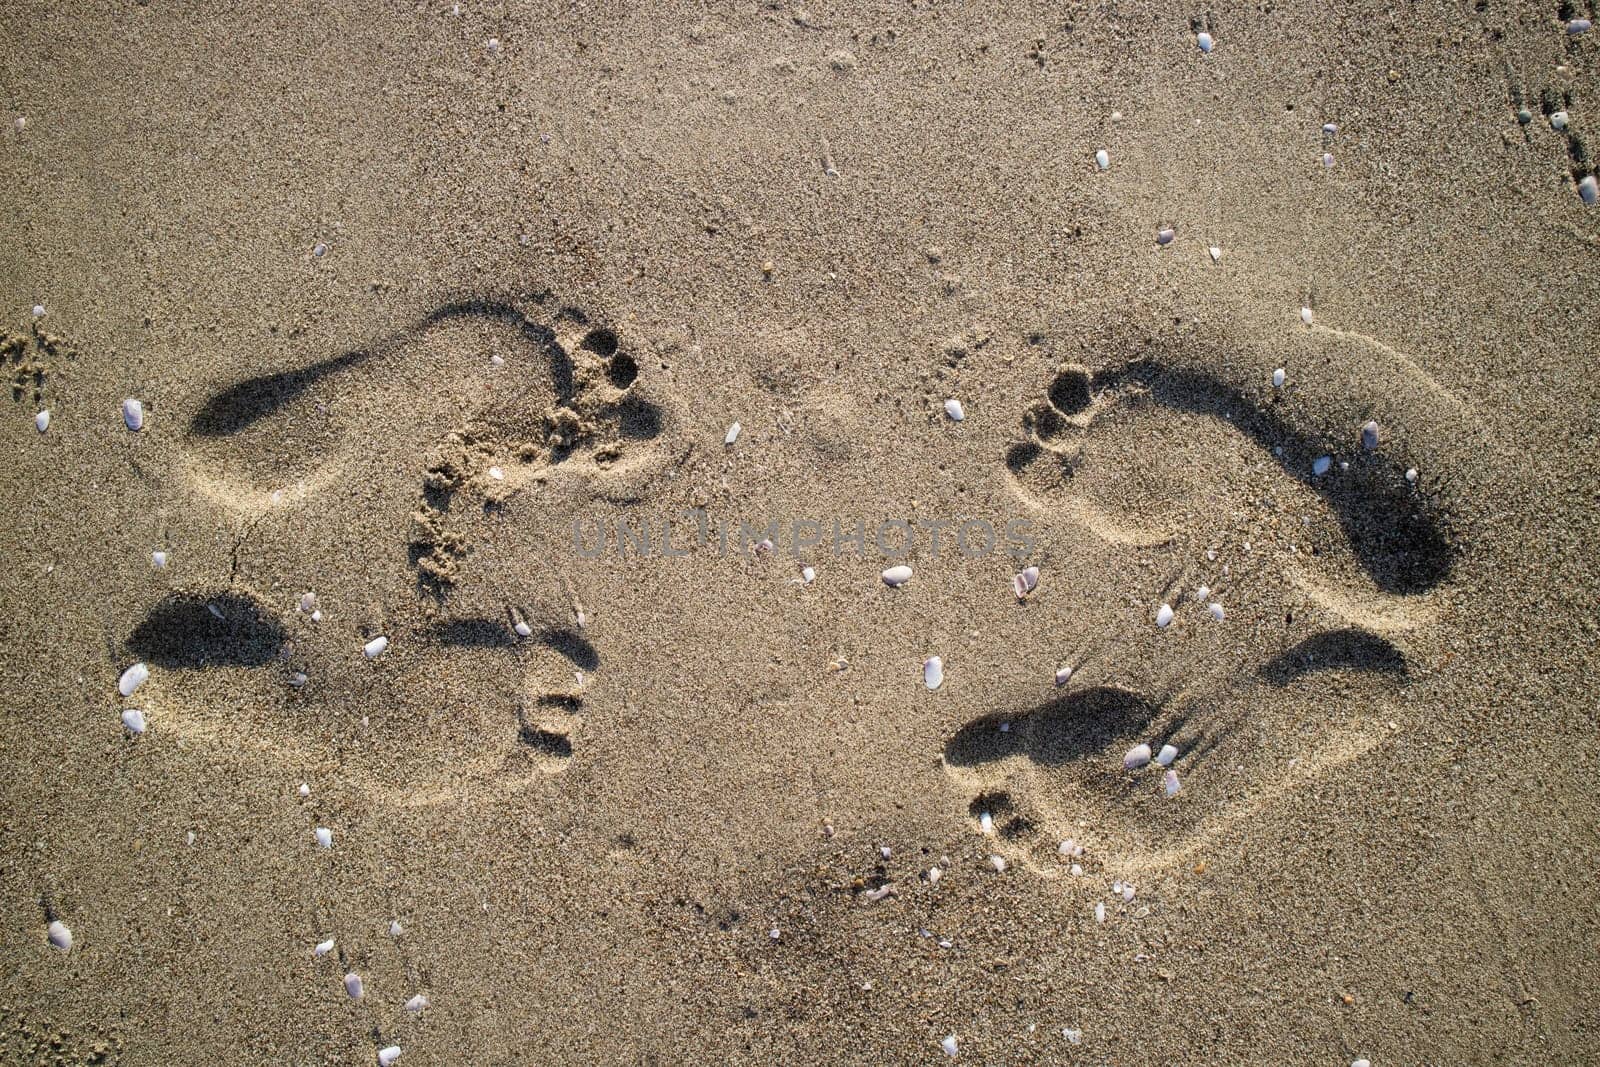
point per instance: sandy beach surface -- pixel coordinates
(409, 295)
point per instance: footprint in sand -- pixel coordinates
(1322, 555)
(502, 419)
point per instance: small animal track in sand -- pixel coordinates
(29, 360)
(1169, 472)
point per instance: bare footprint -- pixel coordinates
(479, 684)
(1294, 565)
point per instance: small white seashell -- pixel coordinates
(1099, 913)
(1063, 674)
(497, 360)
(132, 679)
(997, 862)
(949, 1045)
(885, 851)
(189, 837)
(933, 672)
(1170, 783)
(1577, 26)
(41, 421)
(1116, 887)
(1278, 377)
(1360, 1063)
(319, 249)
(1305, 315)
(732, 435)
(522, 629)
(986, 823)
(1127, 894)
(1167, 754)
(1588, 190)
(323, 948)
(808, 574)
(60, 937)
(1026, 582)
(1201, 593)
(897, 575)
(1327, 160)
(934, 874)
(38, 309)
(133, 414)
(416, 1003)
(1076, 871)
(304, 790)
(1102, 160)
(1216, 254)
(774, 933)
(1205, 42)
(216, 612)
(1065, 850)
(497, 474)
(1411, 475)
(395, 929)
(492, 44)
(158, 559)
(1136, 757)
(1329, 129)
(1074, 1037)
(953, 408)
(324, 837)
(387, 1056)
(1217, 610)
(1165, 235)
(133, 721)
(353, 986)
(1164, 615)
(316, 616)
(1369, 436)
(1558, 121)
(374, 648)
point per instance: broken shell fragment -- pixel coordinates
(323, 948)
(133, 721)
(158, 560)
(1278, 378)
(353, 986)
(133, 414)
(1170, 783)
(1588, 190)
(324, 837)
(1205, 41)
(375, 648)
(132, 679)
(41, 421)
(388, 1055)
(1026, 582)
(1102, 160)
(953, 408)
(933, 672)
(416, 1003)
(1305, 315)
(732, 434)
(1136, 757)
(897, 575)
(1063, 674)
(1167, 754)
(60, 937)
(949, 1045)
(1321, 466)
(1164, 615)
(1217, 610)
(1215, 253)
(1165, 235)
(1099, 913)
(1369, 436)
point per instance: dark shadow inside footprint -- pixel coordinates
(1397, 533)
(1071, 728)
(474, 633)
(545, 742)
(1336, 650)
(575, 648)
(236, 408)
(188, 630)
(638, 420)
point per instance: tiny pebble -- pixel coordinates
(1164, 615)
(319, 249)
(374, 648)
(1278, 377)
(41, 421)
(1305, 315)
(388, 1055)
(1369, 436)
(1524, 116)
(897, 575)
(323, 948)
(324, 837)
(133, 414)
(1205, 42)
(949, 1045)
(1136, 757)
(1164, 235)
(1102, 160)
(133, 721)
(732, 435)
(353, 986)
(1170, 783)
(953, 408)
(132, 679)
(416, 1003)
(1167, 754)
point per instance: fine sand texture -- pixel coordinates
(408, 294)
